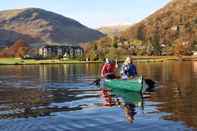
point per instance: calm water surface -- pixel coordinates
(61, 98)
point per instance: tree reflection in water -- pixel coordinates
(177, 96)
(23, 103)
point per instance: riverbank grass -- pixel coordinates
(17, 61)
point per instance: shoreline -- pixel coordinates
(17, 61)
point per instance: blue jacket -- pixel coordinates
(129, 70)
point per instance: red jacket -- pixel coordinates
(108, 69)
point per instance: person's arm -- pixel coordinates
(102, 70)
(135, 70)
(113, 70)
(116, 63)
(122, 70)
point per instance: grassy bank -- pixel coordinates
(15, 61)
(161, 58)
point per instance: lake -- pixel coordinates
(61, 98)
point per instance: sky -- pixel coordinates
(93, 13)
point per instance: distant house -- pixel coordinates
(194, 53)
(54, 51)
(175, 28)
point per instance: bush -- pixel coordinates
(182, 48)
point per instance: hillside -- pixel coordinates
(177, 20)
(172, 30)
(17, 49)
(113, 30)
(40, 26)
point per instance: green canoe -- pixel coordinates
(135, 85)
(129, 96)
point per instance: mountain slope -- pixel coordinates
(43, 26)
(177, 20)
(172, 30)
(113, 30)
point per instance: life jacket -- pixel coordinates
(108, 69)
(129, 70)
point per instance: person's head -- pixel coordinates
(107, 60)
(128, 60)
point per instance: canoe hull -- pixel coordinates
(135, 85)
(129, 96)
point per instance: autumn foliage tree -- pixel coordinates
(182, 48)
(17, 49)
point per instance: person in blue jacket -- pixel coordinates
(128, 69)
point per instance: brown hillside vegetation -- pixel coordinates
(172, 30)
(17, 49)
(113, 30)
(176, 20)
(43, 27)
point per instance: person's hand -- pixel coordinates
(116, 63)
(102, 76)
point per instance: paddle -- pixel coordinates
(96, 82)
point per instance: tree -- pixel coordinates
(92, 55)
(155, 40)
(194, 45)
(95, 47)
(102, 53)
(182, 48)
(136, 42)
(21, 52)
(115, 45)
(149, 48)
(141, 32)
(114, 53)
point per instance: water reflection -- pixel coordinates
(129, 110)
(22, 103)
(179, 94)
(37, 76)
(126, 100)
(67, 72)
(43, 90)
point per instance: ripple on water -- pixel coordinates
(51, 106)
(89, 120)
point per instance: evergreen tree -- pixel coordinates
(156, 42)
(115, 45)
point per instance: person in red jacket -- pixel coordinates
(108, 69)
